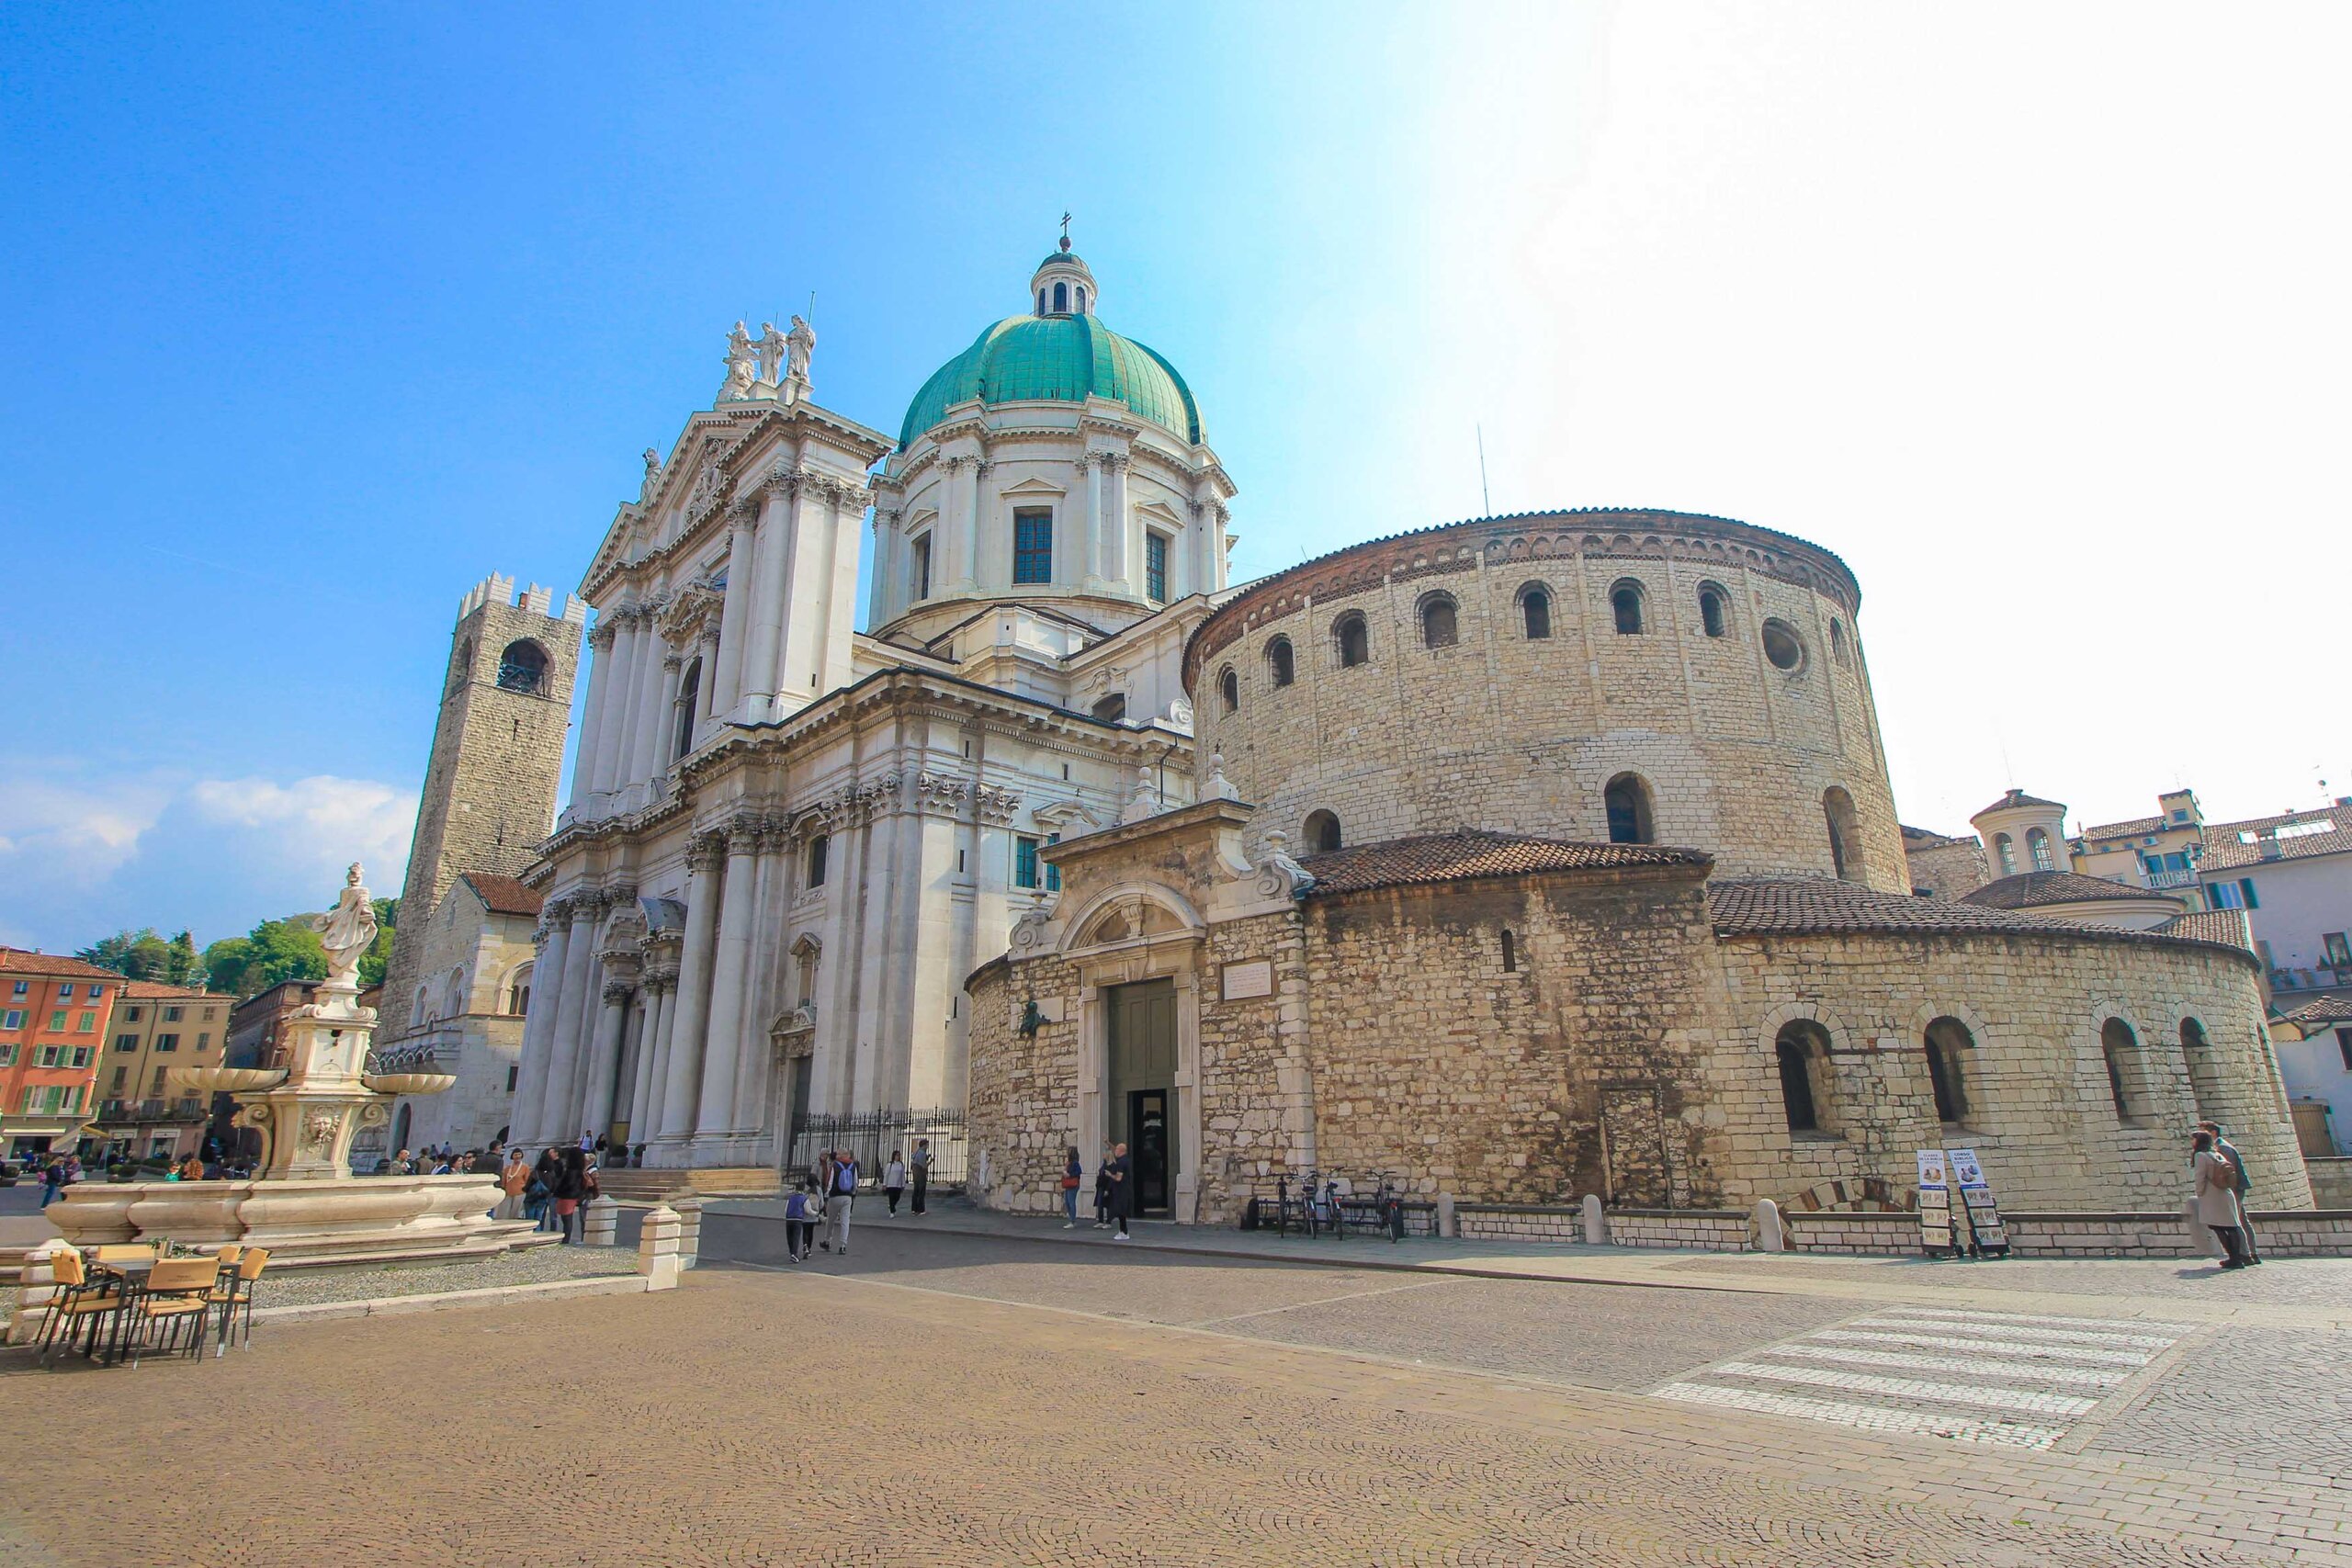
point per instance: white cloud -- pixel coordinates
(322, 822)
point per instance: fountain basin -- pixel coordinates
(323, 1221)
(408, 1083)
(231, 1079)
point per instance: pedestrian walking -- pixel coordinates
(571, 1192)
(1123, 1188)
(840, 1188)
(1073, 1175)
(800, 1211)
(2217, 1200)
(52, 1182)
(894, 1181)
(1102, 1191)
(920, 1167)
(2244, 1184)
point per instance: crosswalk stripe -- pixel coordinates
(1910, 1388)
(2045, 1335)
(1873, 1417)
(2113, 1325)
(1981, 1367)
(2005, 1346)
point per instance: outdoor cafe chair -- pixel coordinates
(178, 1292)
(234, 1291)
(123, 1252)
(79, 1300)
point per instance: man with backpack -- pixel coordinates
(841, 1186)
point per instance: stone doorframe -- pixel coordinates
(1179, 956)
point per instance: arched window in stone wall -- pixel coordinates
(689, 698)
(1801, 1053)
(1626, 801)
(453, 995)
(461, 668)
(1282, 668)
(1322, 833)
(1228, 686)
(2037, 849)
(1948, 1045)
(416, 1009)
(1783, 647)
(807, 953)
(1352, 639)
(1113, 709)
(2126, 1077)
(523, 667)
(2005, 854)
(518, 992)
(1713, 615)
(401, 1122)
(1845, 832)
(1061, 298)
(1625, 604)
(2197, 1055)
(1535, 611)
(820, 851)
(1439, 621)
(1837, 641)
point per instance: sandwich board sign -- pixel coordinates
(1976, 1203)
(1935, 1203)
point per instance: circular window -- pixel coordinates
(1781, 646)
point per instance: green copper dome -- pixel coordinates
(1060, 359)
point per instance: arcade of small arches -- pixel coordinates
(433, 1003)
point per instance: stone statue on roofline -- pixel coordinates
(740, 363)
(652, 475)
(771, 350)
(799, 346)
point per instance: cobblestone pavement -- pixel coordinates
(963, 1400)
(2283, 1281)
(2251, 1397)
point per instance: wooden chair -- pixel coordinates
(79, 1300)
(178, 1294)
(123, 1252)
(235, 1292)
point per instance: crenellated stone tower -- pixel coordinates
(490, 788)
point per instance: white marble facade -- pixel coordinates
(788, 840)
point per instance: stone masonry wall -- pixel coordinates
(2039, 1112)
(1576, 1071)
(1025, 1087)
(1517, 734)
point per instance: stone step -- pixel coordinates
(658, 1186)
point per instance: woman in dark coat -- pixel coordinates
(1102, 1191)
(570, 1190)
(1122, 1172)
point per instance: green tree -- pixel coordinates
(136, 955)
(274, 951)
(378, 956)
(180, 967)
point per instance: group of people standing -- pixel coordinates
(551, 1192)
(825, 1196)
(1114, 1189)
(2221, 1185)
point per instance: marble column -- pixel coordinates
(891, 584)
(682, 1071)
(766, 610)
(1116, 524)
(722, 678)
(644, 1108)
(645, 671)
(714, 1113)
(616, 709)
(952, 539)
(991, 533)
(1089, 549)
(539, 1025)
(604, 1062)
(592, 716)
(707, 689)
(557, 1106)
(657, 727)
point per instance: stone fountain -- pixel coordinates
(305, 1204)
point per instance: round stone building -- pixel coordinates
(1555, 855)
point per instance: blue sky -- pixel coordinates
(314, 317)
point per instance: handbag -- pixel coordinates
(1069, 1183)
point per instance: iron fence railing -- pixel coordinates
(873, 1136)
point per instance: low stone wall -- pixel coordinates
(2331, 1182)
(2299, 1233)
(1709, 1230)
(1517, 1222)
(1882, 1233)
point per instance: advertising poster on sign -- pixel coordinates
(1935, 1203)
(1983, 1216)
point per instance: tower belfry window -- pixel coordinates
(523, 667)
(1061, 297)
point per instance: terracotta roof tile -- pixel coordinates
(23, 962)
(1448, 857)
(2019, 798)
(2031, 889)
(2136, 828)
(143, 990)
(1818, 906)
(1927, 838)
(2322, 1011)
(2228, 927)
(2224, 851)
(504, 894)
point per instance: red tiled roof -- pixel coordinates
(2031, 889)
(143, 990)
(1448, 857)
(2019, 798)
(1818, 906)
(2323, 1011)
(2222, 849)
(504, 894)
(2228, 927)
(1928, 838)
(2136, 828)
(18, 959)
